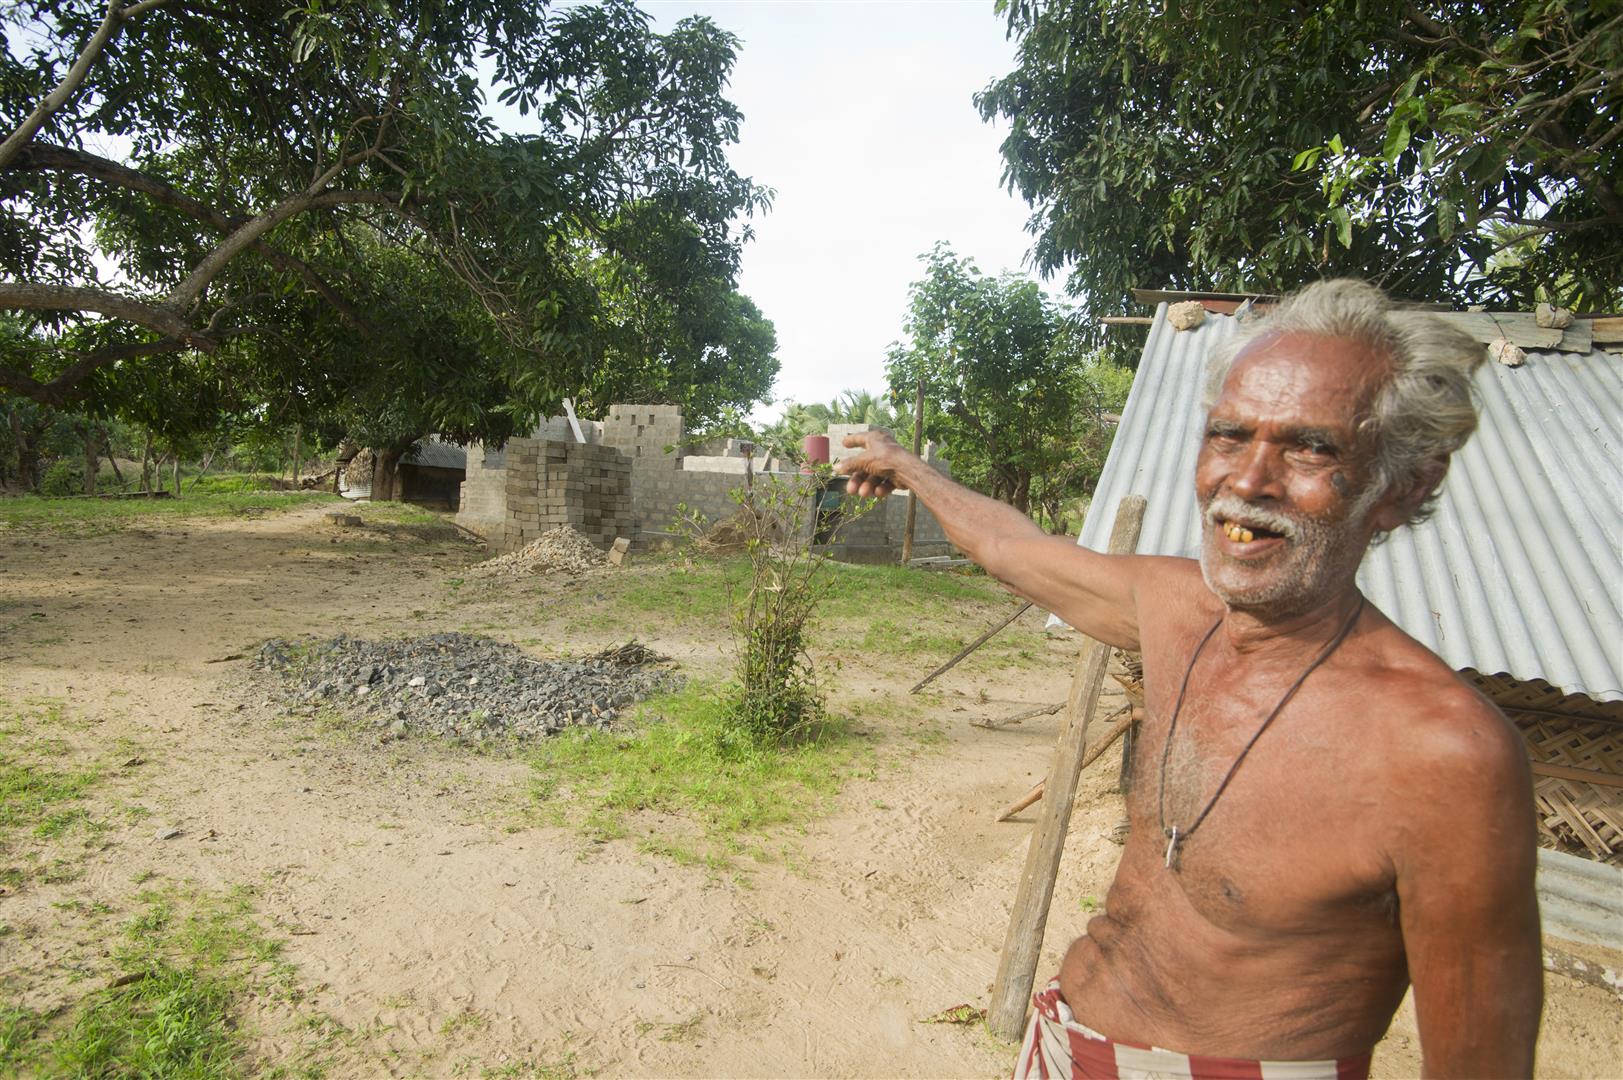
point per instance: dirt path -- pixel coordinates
(447, 931)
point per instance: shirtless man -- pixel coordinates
(1331, 814)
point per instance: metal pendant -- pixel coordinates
(1172, 848)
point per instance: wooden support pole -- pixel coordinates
(918, 448)
(1011, 992)
(967, 649)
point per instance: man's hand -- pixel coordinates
(874, 472)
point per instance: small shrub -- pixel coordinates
(64, 477)
(777, 696)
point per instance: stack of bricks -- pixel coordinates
(563, 483)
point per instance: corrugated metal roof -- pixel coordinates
(1520, 572)
(436, 454)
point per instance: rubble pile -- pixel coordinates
(560, 550)
(462, 686)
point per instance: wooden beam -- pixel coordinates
(1022, 945)
(1172, 296)
(1517, 327)
(1572, 772)
(918, 450)
(1127, 320)
(1606, 330)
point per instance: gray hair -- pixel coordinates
(1424, 411)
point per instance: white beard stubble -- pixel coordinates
(1313, 556)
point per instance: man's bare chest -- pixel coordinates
(1260, 833)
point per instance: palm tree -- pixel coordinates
(786, 434)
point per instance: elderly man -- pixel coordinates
(1326, 813)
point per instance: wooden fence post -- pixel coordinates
(918, 448)
(1011, 993)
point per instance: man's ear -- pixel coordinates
(1400, 504)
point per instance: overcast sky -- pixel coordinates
(860, 116)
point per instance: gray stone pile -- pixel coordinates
(462, 686)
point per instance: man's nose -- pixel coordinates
(1256, 474)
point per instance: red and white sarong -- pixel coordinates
(1058, 1048)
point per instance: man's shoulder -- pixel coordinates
(1438, 716)
(1442, 740)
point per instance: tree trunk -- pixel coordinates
(27, 439)
(146, 463)
(386, 474)
(1021, 498)
(112, 458)
(19, 440)
(92, 443)
(177, 474)
(208, 459)
(298, 452)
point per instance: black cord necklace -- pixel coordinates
(1176, 836)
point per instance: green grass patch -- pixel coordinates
(939, 610)
(889, 636)
(42, 791)
(170, 1022)
(695, 590)
(185, 963)
(399, 513)
(728, 796)
(38, 513)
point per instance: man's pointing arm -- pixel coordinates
(1095, 593)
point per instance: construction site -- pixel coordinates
(446, 902)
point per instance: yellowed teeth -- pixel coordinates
(1239, 534)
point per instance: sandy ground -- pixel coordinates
(451, 933)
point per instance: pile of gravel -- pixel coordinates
(556, 550)
(462, 686)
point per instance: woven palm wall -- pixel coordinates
(1572, 730)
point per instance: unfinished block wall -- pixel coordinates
(552, 483)
(651, 437)
(630, 479)
(483, 507)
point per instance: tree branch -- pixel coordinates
(117, 15)
(47, 157)
(251, 230)
(159, 318)
(58, 393)
(1548, 225)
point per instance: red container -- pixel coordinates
(815, 447)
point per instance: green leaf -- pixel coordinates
(1397, 141)
(1447, 218)
(1343, 223)
(1307, 158)
(1336, 146)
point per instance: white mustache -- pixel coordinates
(1229, 508)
